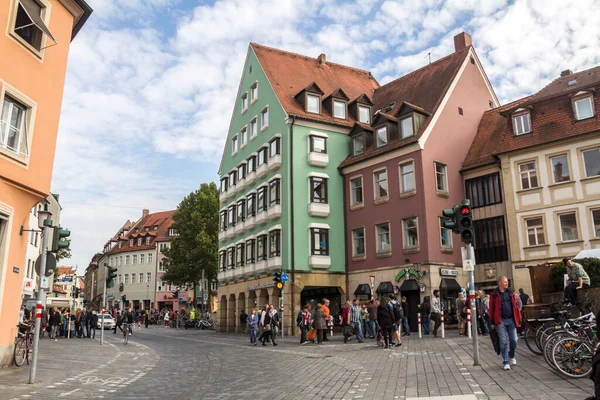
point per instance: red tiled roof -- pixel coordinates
(290, 73)
(560, 86)
(163, 220)
(423, 88)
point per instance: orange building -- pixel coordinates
(34, 47)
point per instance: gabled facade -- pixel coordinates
(403, 171)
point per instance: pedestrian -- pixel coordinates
(146, 318)
(166, 319)
(268, 327)
(44, 322)
(243, 320)
(92, 324)
(22, 314)
(425, 314)
(355, 313)
(578, 279)
(328, 319)
(385, 318)
(405, 311)
(320, 323)
(505, 317)
(55, 320)
(364, 319)
(480, 310)
(263, 314)
(345, 321)
(275, 317)
(303, 322)
(436, 311)
(84, 323)
(119, 323)
(461, 312)
(371, 327)
(252, 321)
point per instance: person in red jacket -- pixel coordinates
(505, 318)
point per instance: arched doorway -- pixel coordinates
(241, 306)
(263, 298)
(231, 320)
(252, 301)
(223, 314)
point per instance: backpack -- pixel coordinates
(398, 313)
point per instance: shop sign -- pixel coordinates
(422, 287)
(448, 272)
(28, 286)
(260, 286)
(408, 273)
(520, 266)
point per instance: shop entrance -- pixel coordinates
(449, 290)
(315, 294)
(410, 290)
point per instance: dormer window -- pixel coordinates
(155, 227)
(381, 137)
(339, 109)
(139, 241)
(364, 114)
(584, 108)
(313, 103)
(130, 242)
(148, 239)
(358, 145)
(522, 123)
(407, 127)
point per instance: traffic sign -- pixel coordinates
(205, 297)
(44, 282)
(285, 277)
(180, 300)
(279, 285)
(372, 278)
(50, 264)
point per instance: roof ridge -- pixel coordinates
(310, 58)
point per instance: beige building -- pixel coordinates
(547, 148)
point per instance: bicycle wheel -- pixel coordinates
(543, 333)
(529, 337)
(549, 346)
(573, 357)
(20, 353)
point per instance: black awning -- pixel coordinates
(385, 287)
(363, 290)
(409, 285)
(449, 285)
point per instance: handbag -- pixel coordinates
(347, 330)
(267, 328)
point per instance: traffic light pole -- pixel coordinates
(471, 256)
(103, 307)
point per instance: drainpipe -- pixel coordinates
(345, 237)
(293, 293)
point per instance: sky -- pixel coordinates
(151, 84)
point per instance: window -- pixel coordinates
(356, 197)
(440, 178)
(251, 165)
(149, 258)
(358, 145)
(244, 102)
(339, 109)
(383, 238)
(275, 243)
(30, 25)
(250, 251)
(528, 175)
(262, 156)
(318, 192)
(244, 135)
(381, 137)
(411, 233)
(161, 266)
(591, 161)
(241, 208)
(407, 177)
(231, 215)
(148, 239)
(596, 223)
(134, 259)
(261, 247)
(364, 114)
(223, 220)
(251, 205)
(253, 128)
(484, 190)
(120, 279)
(584, 108)
(319, 243)
(121, 260)
(130, 242)
(535, 231)
(139, 241)
(232, 177)
(240, 257)
(149, 277)
(313, 104)
(254, 92)
(231, 258)
(274, 192)
(126, 260)
(13, 132)
(358, 242)
(522, 124)
(126, 279)
(274, 147)
(142, 258)
(490, 240)
(560, 168)
(381, 185)
(318, 144)
(445, 236)
(155, 227)
(222, 260)
(261, 196)
(264, 118)
(241, 171)
(568, 227)
(234, 144)
(406, 127)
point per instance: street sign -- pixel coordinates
(180, 300)
(372, 278)
(468, 263)
(50, 264)
(205, 297)
(285, 277)
(44, 282)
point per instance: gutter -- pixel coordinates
(345, 236)
(292, 224)
(87, 11)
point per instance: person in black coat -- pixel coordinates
(386, 321)
(92, 323)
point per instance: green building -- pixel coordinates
(281, 196)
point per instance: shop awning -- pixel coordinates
(33, 11)
(409, 285)
(449, 285)
(385, 287)
(363, 290)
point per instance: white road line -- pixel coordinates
(68, 393)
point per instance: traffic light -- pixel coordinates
(110, 277)
(124, 298)
(176, 294)
(277, 279)
(452, 222)
(466, 224)
(57, 239)
(76, 293)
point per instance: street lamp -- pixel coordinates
(43, 215)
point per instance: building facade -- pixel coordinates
(32, 73)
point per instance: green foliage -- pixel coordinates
(591, 265)
(196, 246)
(65, 253)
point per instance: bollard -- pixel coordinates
(331, 330)
(443, 332)
(419, 319)
(469, 322)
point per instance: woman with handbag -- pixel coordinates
(252, 322)
(303, 322)
(385, 318)
(268, 328)
(319, 323)
(345, 321)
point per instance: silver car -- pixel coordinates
(109, 322)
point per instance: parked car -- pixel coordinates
(109, 322)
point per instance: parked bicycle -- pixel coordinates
(23, 344)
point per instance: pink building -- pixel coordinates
(404, 170)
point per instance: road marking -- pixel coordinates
(68, 393)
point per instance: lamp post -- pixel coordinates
(45, 224)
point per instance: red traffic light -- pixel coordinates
(464, 210)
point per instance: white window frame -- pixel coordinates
(361, 139)
(595, 228)
(403, 189)
(444, 175)
(536, 229)
(353, 202)
(263, 125)
(254, 93)
(583, 152)
(448, 236)
(318, 98)
(378, 241)
(519, 127)
(234, 145)
(243, 137)
(28, 123)
(552, 158)
(368, 109)
(149, 258)
(364, 240)
(45, 16)
(379, 144)
(560, 227)
(245, 102)
(254, 127)
(376, 184)
(344, 105)
(528, 173)
(412, 127)
(405, 235)
(590, 101)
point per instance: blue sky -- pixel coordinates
(151, 83)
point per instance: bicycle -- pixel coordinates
(126, 329)
(23, 344)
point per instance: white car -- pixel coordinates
(109, 322)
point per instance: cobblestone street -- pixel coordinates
(163, 363)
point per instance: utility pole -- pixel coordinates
(38, 306)
(202, 292)
(471, 256)
(103, 306)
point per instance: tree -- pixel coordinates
(196, 246)
(64, 253)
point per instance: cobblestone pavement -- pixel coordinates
(161, 363)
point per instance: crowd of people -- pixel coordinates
(62, 323)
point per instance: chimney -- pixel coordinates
(322, 59)
(462, 41)
(145, 212)
(566, 72)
